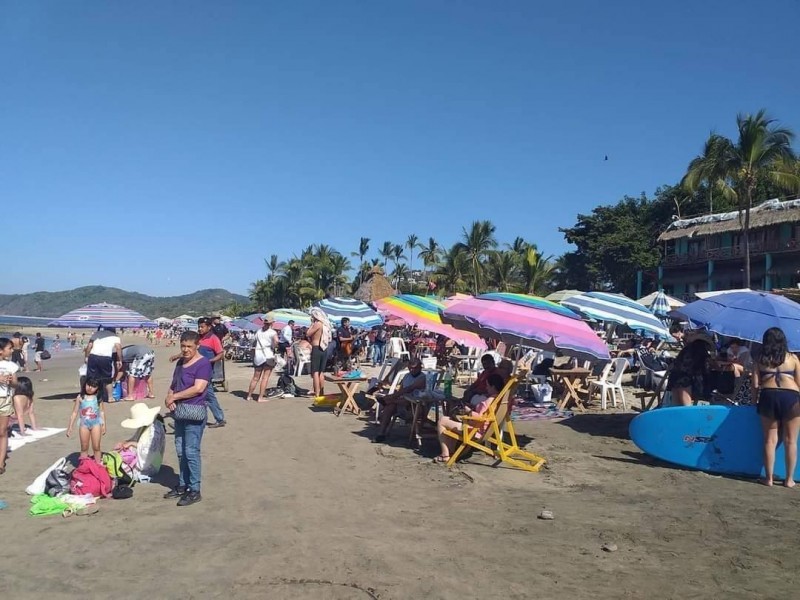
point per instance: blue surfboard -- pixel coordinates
(717, 439)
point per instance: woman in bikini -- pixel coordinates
(776, 381)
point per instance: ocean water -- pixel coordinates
(24, 321)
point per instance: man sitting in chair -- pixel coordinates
(413, 380)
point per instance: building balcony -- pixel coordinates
(730, 253)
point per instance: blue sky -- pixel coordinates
(165, 147)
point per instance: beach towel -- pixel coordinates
(327, 329)
(16, 440)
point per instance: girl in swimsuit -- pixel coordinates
(93, 419)
(776, 381)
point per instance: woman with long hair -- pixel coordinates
(776, 380)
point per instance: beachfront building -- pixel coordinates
(707, 253)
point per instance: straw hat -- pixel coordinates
(141, 416)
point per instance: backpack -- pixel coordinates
(57, 482)
(286, 383)
(90, 478)
(116, 468)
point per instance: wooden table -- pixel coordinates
(348, 387)
(418, 404)
(573, 380)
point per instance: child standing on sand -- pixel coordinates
(23, 404)
(93, 418)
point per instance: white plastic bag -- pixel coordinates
(542, 393)
(37, 487)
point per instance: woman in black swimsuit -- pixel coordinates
(776, 380)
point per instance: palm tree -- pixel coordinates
(400, 272)
(451, 274)
(430, 255)
(762, 150)
(274, 266)
(397, 254)
(386, 253)
(477, 243)
(412, 243)
(503, 269)
(708, 168)
(363, 248)
(536, 271)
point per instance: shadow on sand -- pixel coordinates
(604, 425)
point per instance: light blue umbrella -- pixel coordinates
(619, 309)
(360, 315)
(244, 324)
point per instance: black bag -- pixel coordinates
(46, 355)
(122, 492)
(57, 482)
(189, 412)
(286, 383)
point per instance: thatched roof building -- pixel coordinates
(769, 213)
(375, 287)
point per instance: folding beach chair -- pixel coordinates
(500, 427)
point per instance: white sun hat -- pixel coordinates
(141, 416)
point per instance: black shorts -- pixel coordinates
(267, 364)
(779, 405)
(318, 359)
(282, 346)
(100, 367)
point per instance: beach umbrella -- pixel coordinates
(531, 302)
(242, 325)
(660, 306)
(561, 295)
(619, 309)
(650, 298)
(745, 315)
(103, 314)
(423, 311)
(282, 316)
(360, 315)
(530, 324)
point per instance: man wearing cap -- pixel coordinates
(266, 342)
(413, 380)
(217, 326)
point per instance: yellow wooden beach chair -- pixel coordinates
(500, 428)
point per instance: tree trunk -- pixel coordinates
(747, 238)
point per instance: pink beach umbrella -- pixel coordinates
(524, 323)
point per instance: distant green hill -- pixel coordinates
(55, 304)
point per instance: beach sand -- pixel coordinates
(298, 503)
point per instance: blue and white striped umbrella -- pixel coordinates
(660, 306)
(107, 315)
(360, 315)
(616, 308)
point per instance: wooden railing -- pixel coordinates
(731, 252)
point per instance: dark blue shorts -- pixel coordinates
(778, 404)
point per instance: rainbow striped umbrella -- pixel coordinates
(424, 313)
(526, 322)
(105, 315)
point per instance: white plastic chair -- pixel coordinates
(611, 379)
(301, 358)
(429, 362)
(397, 348)
(395, 382)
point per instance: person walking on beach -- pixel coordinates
(320, 335)
(8, 382)
(264, 361)
(38, 348)
(190, 381)
(776, 381)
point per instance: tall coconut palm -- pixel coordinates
(363, 248)
(478, 241)
(397, 254)
(536, 271)
(503, 269)
(386, 253)
(400, 273)
(274, 266)
(429, 253)
(452, 272)
(709, 168)
(412, 243)
(762, 150)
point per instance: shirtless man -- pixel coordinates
(16, 350)
(319, 354)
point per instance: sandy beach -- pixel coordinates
(298, 503)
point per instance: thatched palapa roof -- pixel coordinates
(375, 287)
(769, 213)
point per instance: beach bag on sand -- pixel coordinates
(286, 384)
(57, 482)
(90, 478)
(46, 355)
(116, 468)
